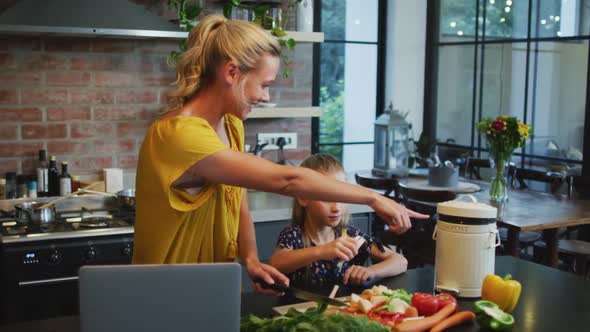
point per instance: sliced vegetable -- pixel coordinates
(491, 316)
(502, 291)
(456, 319)
(354, 298)
(411, 312)
(427, 304)
(401, 294)
(365, 305)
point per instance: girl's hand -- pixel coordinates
(395, 215)
(258, 270)
(343, 248)
(357, 275)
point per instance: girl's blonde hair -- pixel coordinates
(325, 164)
(211, 43)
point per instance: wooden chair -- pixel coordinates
(574, 253)
(520, 181)
(578, 186)
(417, 244)
(522, 175)
(474, 165)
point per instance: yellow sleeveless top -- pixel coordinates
(173, 226)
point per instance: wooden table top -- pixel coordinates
(531, 210)
(526, 209)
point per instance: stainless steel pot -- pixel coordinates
(126, 198)
(34, 213)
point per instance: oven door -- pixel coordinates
(40, 279)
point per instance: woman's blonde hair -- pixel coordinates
(325, 164)
(212, 42)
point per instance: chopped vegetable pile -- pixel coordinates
(311, 320)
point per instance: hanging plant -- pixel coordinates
(262, 17)
(187, 19)
(188, 13)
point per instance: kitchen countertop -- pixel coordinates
(264, 207)
(551, 300)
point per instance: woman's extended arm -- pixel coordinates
(241, 169)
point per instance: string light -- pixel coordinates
(557, 18)
(502, 20)
(492, 2)
(508, 3)
(507, 9)
(543, 21)
(453, 24)
(460, 33)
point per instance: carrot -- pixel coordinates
(456, 319)
(411, 312)
(419, 325)
(352, 308)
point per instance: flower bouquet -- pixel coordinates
(504, 134)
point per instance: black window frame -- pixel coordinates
(431, 81)
(380, 87)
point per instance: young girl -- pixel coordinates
(320, 248)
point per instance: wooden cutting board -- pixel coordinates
(282, 310)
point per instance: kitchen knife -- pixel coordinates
(301, 294)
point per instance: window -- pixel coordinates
(347, 86)
(527, 59)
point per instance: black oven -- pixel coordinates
(39, 267)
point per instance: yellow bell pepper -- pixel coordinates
(502, 291)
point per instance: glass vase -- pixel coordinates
(499, 182)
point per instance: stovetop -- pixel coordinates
(69, 224)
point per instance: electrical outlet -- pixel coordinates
(271, 139)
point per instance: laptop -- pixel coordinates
(145, 298)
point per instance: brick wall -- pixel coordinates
(90, 100)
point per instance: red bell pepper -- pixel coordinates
(444, 299)
(427, 304)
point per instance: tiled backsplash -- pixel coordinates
(90, 100)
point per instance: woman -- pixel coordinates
(191, 207)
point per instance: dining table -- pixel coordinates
(525, 209)
(551, 300)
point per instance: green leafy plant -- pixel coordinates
(187, 18)
(312, 320)
(262, 17)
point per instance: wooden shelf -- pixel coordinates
(300, 37)
(284, 112)
(305, 37)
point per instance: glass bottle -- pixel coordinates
(2, 188)
(21, 186)
(42, 175)
(10, 185)
(53, 175)
(65, 180)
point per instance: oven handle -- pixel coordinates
(47, 281)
